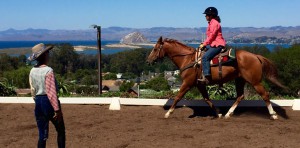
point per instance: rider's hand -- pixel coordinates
(201, 46)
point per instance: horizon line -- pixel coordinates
(140, 28)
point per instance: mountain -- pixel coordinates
(134, 38)
(152, 34)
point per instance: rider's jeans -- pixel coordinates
(209, 55)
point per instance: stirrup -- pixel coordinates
(203, 80)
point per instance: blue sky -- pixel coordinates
(80, 14)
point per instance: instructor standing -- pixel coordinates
(44, 91)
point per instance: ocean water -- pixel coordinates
(29, 44)
(19, 44)
(241, 45)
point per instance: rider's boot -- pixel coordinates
(204, 79)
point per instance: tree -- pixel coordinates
(158, 84)
(63, 59)
(288, 65)
(18, 78)
(110, 76)
(134, 61)
(8, 63)
(256, 49)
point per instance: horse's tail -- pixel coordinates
(270, 71)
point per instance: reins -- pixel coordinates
(190, 65)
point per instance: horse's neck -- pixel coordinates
(179, 55)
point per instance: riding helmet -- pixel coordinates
(211, 11)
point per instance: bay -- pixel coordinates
(30, 44)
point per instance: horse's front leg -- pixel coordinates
(182, 91)
(239, 87)
(205, 96)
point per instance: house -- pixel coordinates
(111, 85)
(171, 81)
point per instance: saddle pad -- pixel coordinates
(215, 60)
(226, 57)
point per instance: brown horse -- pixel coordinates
(248, 68)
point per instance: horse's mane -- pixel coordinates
(178, 43)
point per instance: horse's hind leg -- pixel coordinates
(205, 96)
(265, 95)
(182, 91)
(239, 86)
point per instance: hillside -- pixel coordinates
(134, 38)
(117, 33)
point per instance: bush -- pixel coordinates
(86, 91)
(126, 85)
(6, 89)
(227, 92)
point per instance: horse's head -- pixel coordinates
(157, 51)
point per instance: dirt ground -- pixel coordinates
(144, 126)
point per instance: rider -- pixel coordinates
(213, 43)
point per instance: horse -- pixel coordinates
(247, 68)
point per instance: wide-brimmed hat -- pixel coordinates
(38, 50)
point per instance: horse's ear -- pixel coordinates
(160, 40)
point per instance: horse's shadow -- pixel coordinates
(205, 111)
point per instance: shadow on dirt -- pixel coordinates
(205, 111)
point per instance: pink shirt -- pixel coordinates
(51, 90)
(214, 34)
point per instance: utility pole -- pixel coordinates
(99, 58)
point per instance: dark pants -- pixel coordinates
(44, 113)
(209, 55)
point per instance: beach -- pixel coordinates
(129, 45)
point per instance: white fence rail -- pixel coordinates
(295, 104)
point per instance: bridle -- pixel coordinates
(159, 50)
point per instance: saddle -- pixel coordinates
(225, 57)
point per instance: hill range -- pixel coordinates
(117, 33)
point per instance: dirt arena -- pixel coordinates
(144, 126)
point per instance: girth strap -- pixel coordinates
(220, 71)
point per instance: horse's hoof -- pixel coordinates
(167, 116)
(228, 115)
(219, 115)
(274, 117)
